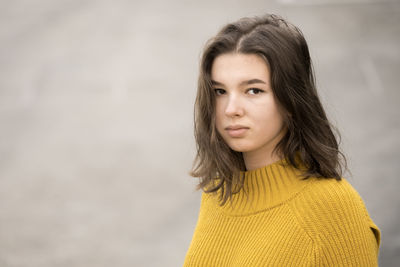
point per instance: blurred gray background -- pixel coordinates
(96, 118)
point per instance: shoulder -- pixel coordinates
(331, 195)
(331, 201)
(335, 217)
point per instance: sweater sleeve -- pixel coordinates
(338, 222)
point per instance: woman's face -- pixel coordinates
(247, 115)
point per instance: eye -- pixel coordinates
(219, 91)
(254, 91)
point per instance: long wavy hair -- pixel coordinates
(309, 137)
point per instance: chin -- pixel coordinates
(240, 147)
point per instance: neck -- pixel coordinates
(255, 161)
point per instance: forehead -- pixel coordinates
(236, 67)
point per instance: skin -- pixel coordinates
(244, 97)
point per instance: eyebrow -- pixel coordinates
(248, 82)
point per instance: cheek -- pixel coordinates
(268, 119)
(219, 113)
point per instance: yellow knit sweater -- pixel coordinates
(285, 221)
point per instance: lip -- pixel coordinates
(236, 130)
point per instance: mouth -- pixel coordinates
(236, 130)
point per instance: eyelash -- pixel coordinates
(219, 91)
(256, 90)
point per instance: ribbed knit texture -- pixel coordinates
(285, 221)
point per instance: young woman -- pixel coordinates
(268, 161)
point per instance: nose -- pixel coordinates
(234, 107)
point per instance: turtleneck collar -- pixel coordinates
(266, 187)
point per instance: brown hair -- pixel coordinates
(309, 135)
